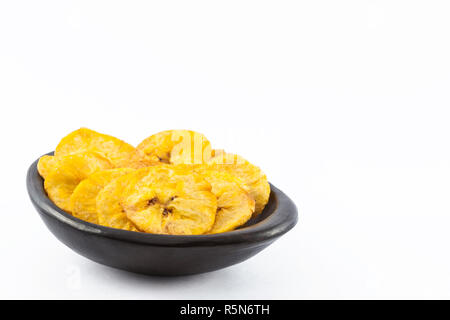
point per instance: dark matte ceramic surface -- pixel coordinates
(155, 254)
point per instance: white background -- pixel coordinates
(344, 104)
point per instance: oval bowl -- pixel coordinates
(156, 254)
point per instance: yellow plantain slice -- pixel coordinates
(234, 205)
(83, 199)
(176, 147)
(110, 212)
(138, 160)
(83, 139)
(45, 165)
(251, 175)
(171, 200)
(68, 171)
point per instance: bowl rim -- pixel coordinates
(283, 218)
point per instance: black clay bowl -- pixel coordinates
(156, 254)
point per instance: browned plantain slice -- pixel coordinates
(171, 200)
(68, 171)
(83, 199)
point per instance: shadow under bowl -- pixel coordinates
(156, 254)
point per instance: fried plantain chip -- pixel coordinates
(45, 165)
(176, 147)
(138, 160)
(83, 199)
(110, 212)
(83, 139)
(68, 171)
(234, 205)
(251, 175)
(171, 200)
